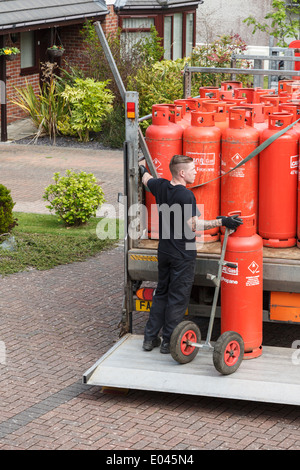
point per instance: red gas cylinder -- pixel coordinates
(293, 88)
(176, 115)
(252, 95)
(188, 105)
(164, 139)
(294, 109)
(202, 141)
(284, 96)
(272, 100)
(245, 93)
(209, 92)
(298, 213)
(282, 85)
(220, 110)
(236, 101)
(227, 89)
(257, 115)
(242, 286)
(263, 91)
(239, 189)
(278, 169)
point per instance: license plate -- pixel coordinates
(143, 305)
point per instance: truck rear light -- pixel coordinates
(145, 293)
(131, 110)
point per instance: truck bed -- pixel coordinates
(270, 378)
(281, 270)
(215, 249)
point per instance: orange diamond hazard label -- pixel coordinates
(236, 158)
(253, 267)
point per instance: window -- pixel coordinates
(178, 35)
(138, 23)
(177, 30)
(28, 61)
(168, 37)
(189, 28)
(133, 30)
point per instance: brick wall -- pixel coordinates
(110, 25)
(74, 56)
(15, 80)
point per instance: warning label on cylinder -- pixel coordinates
(158, 166)
(294, 164)
(252, 281)
(239, 172)
(253, 267)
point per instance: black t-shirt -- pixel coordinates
(176, 205)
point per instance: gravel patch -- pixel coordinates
(63, 141)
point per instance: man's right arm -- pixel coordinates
(145, 175)
(145, 178)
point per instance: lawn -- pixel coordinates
(43, 242)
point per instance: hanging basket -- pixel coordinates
(10, 53)
(55, 52)
(11, 57)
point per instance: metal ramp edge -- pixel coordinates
(273, 377)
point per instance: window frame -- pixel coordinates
(159, 24)
(35, 68)
(135, 30)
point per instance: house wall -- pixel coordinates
(110, 24)
(74, 48)
(15, 80)
(74, 56)
(219, 17)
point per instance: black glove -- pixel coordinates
(143, 170)
(231, 222)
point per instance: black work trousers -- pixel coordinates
(172, 295)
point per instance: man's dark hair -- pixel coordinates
(176, 163)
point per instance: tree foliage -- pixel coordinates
(282, 21)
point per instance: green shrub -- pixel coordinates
(45, 108)
(89, 102)
(149, 48)
(75, 197)
(160, 82)
(113, 128)
(7, 220)
(218, 54)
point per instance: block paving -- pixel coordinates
(55, 324)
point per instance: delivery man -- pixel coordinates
(178, 221)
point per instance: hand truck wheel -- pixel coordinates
(228, 352)
(185, 333)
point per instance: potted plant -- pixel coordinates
(56, 51)
(10, 53)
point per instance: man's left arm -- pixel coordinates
(230, 222)
(197, 224)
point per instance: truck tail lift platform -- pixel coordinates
(274, 377)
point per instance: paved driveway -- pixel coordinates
(55, 324)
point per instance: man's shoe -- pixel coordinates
(149, 345)
(165, 348)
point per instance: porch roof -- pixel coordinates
(19, 15)
(156, 4)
